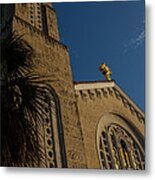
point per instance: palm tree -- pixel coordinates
(23, 96)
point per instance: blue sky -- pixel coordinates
(111, 32)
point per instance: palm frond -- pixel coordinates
(17, 54)
(24, 98)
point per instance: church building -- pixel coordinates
(92, 125)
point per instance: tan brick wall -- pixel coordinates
(93, 104)
(52, 23)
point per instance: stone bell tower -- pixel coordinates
(62, 135)
(39, 15)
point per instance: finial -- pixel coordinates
(106, 71)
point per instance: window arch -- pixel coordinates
(52, 138)
(117, 149)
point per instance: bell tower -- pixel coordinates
(40, 15)
(61, 131)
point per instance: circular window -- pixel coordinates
(48, 130)
(50, 154)
(49, 142)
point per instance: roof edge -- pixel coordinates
(93, 85)
(90, 85)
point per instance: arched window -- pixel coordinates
(124, 154)
(118, 149)
(52, 139)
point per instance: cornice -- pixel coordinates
(96, 90)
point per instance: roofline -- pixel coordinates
(129, 98)
(104, 84)
(90, 85)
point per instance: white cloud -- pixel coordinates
(135, 42)
(139, 40)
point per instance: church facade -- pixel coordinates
(87, 124)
